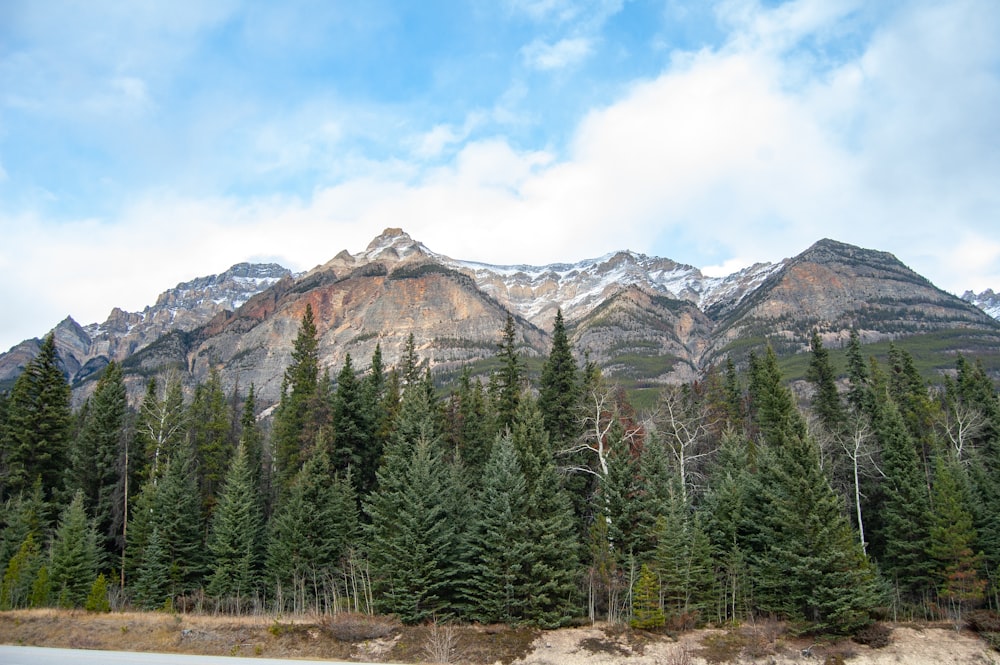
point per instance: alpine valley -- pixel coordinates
(645, 321)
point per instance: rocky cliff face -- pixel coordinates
(85, 350)
(987, 301)
(644, 320)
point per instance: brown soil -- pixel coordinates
(353, 637)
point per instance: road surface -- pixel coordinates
(10, 655)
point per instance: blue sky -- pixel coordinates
(143, 144)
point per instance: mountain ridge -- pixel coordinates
(648, 319)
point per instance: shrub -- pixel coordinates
(876, 635)
(97, 600)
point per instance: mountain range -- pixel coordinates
(644, 320)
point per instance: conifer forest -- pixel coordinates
(866, 493)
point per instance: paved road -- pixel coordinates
(41, 656)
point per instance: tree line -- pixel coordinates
(868, 494)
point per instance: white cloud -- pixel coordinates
(564, 53)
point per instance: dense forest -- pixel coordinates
(868, 494)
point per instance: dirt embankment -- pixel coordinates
(352, 637)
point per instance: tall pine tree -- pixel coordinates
(559, 391)
(38, 426)
(236, 536)
(294, 429)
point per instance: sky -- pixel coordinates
(143, 144)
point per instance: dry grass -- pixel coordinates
(378, 639)
(345, 637)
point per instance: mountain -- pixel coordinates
(644, 320)
(85, 350)
(987, 301)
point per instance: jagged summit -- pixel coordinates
(988, 301)
(644, 319)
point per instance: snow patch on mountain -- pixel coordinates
(988, 301)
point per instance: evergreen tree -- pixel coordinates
(410, 373)
(510, 376)
(826, 402)
(412, 538)
(959, 584)
(901, 540)
(172, 508)
(311, 531)
(775, 415)
(75, 557)
(554, 553)
(728, 526)
(98, 457)
(24, 515)
(807, 562)
(352, 433)
(471, 423)
(646, 611)
(252, 440)
(684, 562)
(153, 586)
(559, 392)
(294, 428)
(236, 537)
(379, 410)
(620, 507)
(20, 575)
(812, 568)
(97, 599)
(209, 425)
(859, 394)
(734, 396)
(498, 585)
(38, 425)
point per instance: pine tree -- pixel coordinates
(74, 558)
(312, 529)
(20, 574)
(38, 425)
(554, 553)
(410, 372)
(775, 415)
(294, 427)
(252, 440)
(236, 537)
(498, 585)
(412, 538)
(859, 394)
(471, 427)
(97, 599)
(559, 392)
(98, 457)
(352, 433)
(509, 377)
(901, 540)
(826, 402)
(646, 611)
(24, 515)
(959, 584)
(728, 526)
(812, 568)
(209, 424)
(379, 410)
(684, 563)
(807, 563)
(153, 586)
(171, 507)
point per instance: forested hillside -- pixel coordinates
(502, 501)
